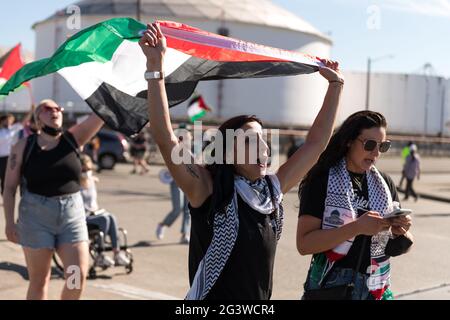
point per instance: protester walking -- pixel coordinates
(51, 211)
(235, 206)
(412, 171)
(343, 199)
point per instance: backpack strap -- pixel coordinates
(71, 141)
(29, 145)
(31, 141)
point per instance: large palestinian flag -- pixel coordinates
(105, 66)
(9, 64)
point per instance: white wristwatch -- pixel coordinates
(151, 75)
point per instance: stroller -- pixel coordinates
(98, 244)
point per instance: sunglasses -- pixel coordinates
(51, 109)
(370, 145)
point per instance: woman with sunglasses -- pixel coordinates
(51, 211)
(342, 202)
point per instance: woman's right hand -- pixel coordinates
(372, 223)
(154, 45)
(11, 233)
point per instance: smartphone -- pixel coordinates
(398, 213)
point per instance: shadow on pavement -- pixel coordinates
(22, 270)
(143, 244)
(432, 215)
(138, 193)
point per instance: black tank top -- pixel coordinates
(249, 269)
(54, 172)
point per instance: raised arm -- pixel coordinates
(84, 131)
(193, 179)
(293, 170)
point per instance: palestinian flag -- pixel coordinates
(197, 108)
(9, 64)
(105, 66)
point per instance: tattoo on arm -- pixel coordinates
(13, 161)
(191, 169)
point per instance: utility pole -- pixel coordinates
(369, 74)
(138, 10)
(369, 70)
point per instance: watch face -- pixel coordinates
(154, 75)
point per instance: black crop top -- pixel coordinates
(53, 172)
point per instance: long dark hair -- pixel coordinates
(339, 143)
(223, 174)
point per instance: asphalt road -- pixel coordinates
(160, 268)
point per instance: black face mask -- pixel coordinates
(51, 131)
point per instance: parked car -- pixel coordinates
(114, 148)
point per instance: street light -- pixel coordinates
(369, 69)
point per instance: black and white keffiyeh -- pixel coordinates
(341, 208)
(226, 227)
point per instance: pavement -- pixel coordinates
(160, 267)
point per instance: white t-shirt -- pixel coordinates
(8, 137)
(89, 193)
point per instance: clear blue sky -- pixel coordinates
(414, 31)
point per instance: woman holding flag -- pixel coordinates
(343, 199)
(236, 208)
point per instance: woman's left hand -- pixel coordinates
(331, 71)
(400, 225)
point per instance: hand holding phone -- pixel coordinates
(398, 212)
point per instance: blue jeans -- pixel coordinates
(178, 198)
(341, 276)
(107, 224)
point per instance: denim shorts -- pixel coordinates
(341, 276)
(48, 222)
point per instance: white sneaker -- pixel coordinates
(104, 261)
(121, 259)
(160, 231)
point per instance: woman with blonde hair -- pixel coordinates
(51, 217)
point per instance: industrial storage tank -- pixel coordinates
(413, 104)
(280, 101)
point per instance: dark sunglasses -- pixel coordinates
(370, 145)
(51, 109)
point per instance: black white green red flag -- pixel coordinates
(10, 63)
(197, 108)
(105, 66)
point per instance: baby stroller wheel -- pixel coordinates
(59, 268)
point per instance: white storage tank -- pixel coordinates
(285, 100)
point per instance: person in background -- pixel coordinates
(8, 137)
(405, 154)
(411, 170)
(106, 221)
(179, 201)
(138, 150)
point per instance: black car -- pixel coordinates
(113, 149)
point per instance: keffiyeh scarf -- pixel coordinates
(226, 227)
(341, 208)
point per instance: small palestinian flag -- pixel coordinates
(105, 66)
(197, 108)
(9, 64)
